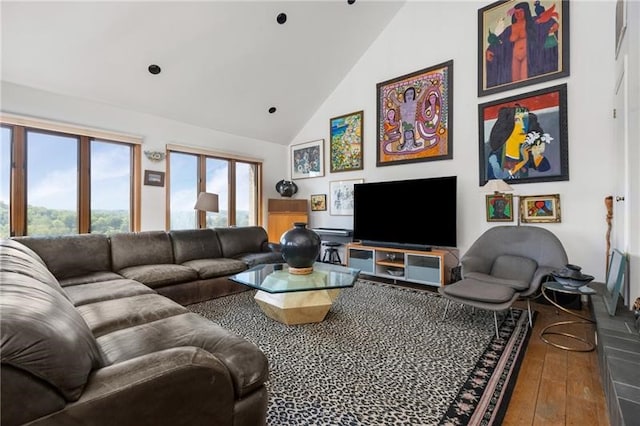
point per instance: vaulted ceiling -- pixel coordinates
(224, 64)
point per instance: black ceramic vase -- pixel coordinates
(286, 188)
(300, 246)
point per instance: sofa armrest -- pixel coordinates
(271, 247)
(185, 385)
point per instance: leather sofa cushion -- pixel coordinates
(105, 290)
(83, 254)
(140, 248)
(93, 277)
(242, 239)
(159, 275)
(212, 268)
(16, 257)
(253, 259)
(247, 365)
(42, 333)
(190, 244)
(112, 315)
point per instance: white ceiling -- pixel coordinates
(224, 63)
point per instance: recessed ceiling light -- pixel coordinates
(272, 110)
(281, 18)
(154, 69)
(351, 1)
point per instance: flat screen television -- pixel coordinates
(413, 214)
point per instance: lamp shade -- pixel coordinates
(207, 202)
(497, 185)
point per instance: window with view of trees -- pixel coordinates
(235, 181)
(58, 183)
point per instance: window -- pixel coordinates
(5, 181)
(69, 183)
(235, 181)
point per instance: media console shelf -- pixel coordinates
(422, 267)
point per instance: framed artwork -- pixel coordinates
(524, 138)
(621, 23)
(499, 208)
(522, 43)
(153, 178)
(345, 142)
(318, 202)
(615, 278)
(307, 159)
(341, 197)
(415, 116)
(540, 208)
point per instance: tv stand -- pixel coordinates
(384, 244)
(426, 267)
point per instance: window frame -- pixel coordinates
(202, 155)
(19, 126)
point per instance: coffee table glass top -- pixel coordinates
(275, 278)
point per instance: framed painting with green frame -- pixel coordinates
(346, 142)
(499, 207)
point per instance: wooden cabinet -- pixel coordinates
(421, 267)
(282, 214)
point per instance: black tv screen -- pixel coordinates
(418, 212)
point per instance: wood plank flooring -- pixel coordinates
(554, 386)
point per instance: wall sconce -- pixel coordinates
(155, 155)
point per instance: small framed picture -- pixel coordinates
(341, 197)
(499, 208)
(307, 160)
(345, 142)
(540, 208)
(153, 178)
(318, 202)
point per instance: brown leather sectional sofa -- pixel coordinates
(90, 333)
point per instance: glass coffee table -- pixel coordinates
(297, 299)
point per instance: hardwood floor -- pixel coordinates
(554, 386)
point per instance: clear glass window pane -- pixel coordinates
(110, 187)
(218, 183)
(246, 194)
(5, 181)
(52, 184)
(184, 190)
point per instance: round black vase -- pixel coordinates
(286, 188)
(300, 247)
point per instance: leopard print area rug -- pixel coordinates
(383, 356)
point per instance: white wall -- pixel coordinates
(156, 133)
(424, 34)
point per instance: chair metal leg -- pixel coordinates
(445, 309)
(495, 322)
(529, 313)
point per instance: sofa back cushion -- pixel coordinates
(18, 258)
(140, 248)
(243, 239)
(42, 333)
(193, 244)
(71, 255)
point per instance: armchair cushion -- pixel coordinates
(480, 291)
